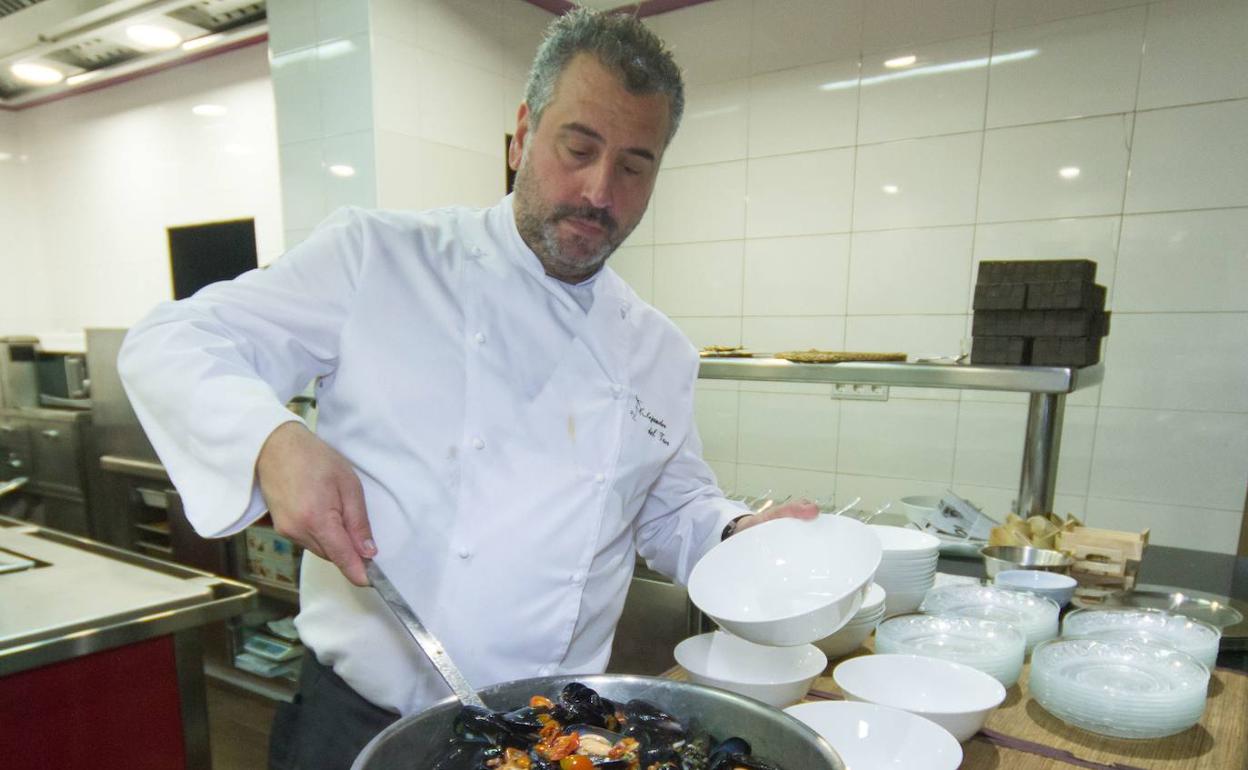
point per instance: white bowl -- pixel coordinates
(874, 600)
(956, 697)
(778, 676)
(848, 639)
(904, 542)
(1051, 585)
(875, 737)
(787, 582)
(917, 507)
(899, 602)
(994, 648)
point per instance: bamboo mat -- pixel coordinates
(1020, 735)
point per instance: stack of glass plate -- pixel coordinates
(1033, 615)
(1200, 640)
(992, 647)
(1119, 688)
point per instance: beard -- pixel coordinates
(568, 257)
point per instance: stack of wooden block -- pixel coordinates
(1038, 312)
(1106, 561)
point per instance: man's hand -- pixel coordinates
(315, 498)
(798, 509)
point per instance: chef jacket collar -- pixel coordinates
(504, 225)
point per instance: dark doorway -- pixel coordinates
(207, 253)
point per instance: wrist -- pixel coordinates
(734, 526)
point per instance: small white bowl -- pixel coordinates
(917, 507)
(778, 676)
(956, 697)
(869, 736)
(900, 542)
(787, 582)
(1059, 588)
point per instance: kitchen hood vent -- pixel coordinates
(13, 6)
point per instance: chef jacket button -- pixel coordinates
(464, 553)
(478, 443)
(479, 337)
(576, 577)
(599, 478)
(617, 390)
(546, 670)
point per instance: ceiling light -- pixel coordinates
(342, 170)
(5, 156)
(1068, 172)
(153, 36)
(209, 110)
(900, 61)
(81, 77)
(36, 74)
(200, 42)
(891, 189)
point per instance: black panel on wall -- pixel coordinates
(207, 253)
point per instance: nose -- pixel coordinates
(598, 180)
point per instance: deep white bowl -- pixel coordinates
(875, 737)
(899, 602)
(956, 697)
(850, 637)
(1059, 588)
(900, 542)
(778, 676)
(917, 507)
(787, 582)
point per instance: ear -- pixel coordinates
(515, 150)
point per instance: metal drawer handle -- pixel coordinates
(51, 432)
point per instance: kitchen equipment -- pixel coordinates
(778, 676)
(992, 647)
(419, 740)
(429, 644)
(19, 382)
(1148, 626)
(998, 558)
(871, 736)
(787, 582)
(956, 697)
(1119, 688)
(1034, 615)
(1059, 588)
(62, 375)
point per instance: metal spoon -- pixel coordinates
(429, 643)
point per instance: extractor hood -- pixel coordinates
(80, 44)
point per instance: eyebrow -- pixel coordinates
(581, 128)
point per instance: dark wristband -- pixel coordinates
(731, 529)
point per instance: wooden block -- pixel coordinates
(1000, 296)
(1000, 350)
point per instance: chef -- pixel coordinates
(502, 421)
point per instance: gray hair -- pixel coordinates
(622, 44)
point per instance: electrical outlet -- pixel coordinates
(847, 390)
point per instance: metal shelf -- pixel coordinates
(1016, 379)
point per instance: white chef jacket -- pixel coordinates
(513, 448)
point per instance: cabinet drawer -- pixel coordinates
(56, 450)
(15, 459)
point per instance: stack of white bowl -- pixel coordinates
(992, 647)
(1119, 688)
(907, 567)
(1035, 616)
(779, 676)
(1150, 626)
(855, 632)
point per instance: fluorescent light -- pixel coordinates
(5, 156)
(36, 74)
(891, 189)
(81, 77)
(209, 110)
(900, 61)
(933, 69)
(1068, 172)
(342, 170)
(153, 36)
(200, 42)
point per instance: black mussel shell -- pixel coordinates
(579, 704)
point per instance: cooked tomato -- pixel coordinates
(576, 762)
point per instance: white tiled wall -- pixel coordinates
(817, 197)
(97, 179)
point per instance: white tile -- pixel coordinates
(1195, 52)
(459, 105)
(990, 446)
(894, 272)
(291, 25)
(643, 233)
(943, 92)
(296, 95)
(700, 203)
(995, 502)
(341, 18)
(716, 414)
(303, 184)
(797, 32)
(918, 336)
(1189, 157)
(1201, 529)
(796, 276)
(345, 85)
(521, 28)
(802, 194)
(397, 77)
(917, 182)
(635, 264)
(710, 331)
(773, 335)
(895, 23)
(725, 475)
(791, 431)
(699, 279)
(1192, 260)
(902, 438)
(806, 108)
(878, 491)
(419, 174)
(1180, 458)
(353, 151)
(465, 30)
(1018, 13)
(1071, 68)
(1022, 179)
(711, 41)
(783, 482)
(1178, 361)
(714, 125)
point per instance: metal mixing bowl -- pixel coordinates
(1003, 557)
(418, 741)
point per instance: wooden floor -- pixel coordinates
(238, 727)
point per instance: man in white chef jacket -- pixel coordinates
(502, 422)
